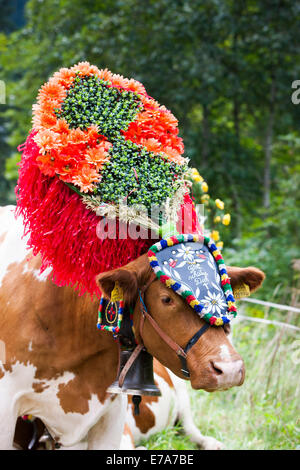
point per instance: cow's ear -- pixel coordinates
(126, 280)
(252, 277)
(129, 278)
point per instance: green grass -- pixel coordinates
(264, 412)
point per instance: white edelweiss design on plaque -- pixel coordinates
(189, 256)
(213, 303)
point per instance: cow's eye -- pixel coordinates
(166, 300)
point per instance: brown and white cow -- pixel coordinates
(158, 413)
(58, 366)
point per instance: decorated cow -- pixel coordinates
(58, 366)
(104, 215)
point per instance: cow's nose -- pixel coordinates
(229, 373)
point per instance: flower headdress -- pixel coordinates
(98, 139)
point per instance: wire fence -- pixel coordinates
(271, 322)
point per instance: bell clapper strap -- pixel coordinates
(129, 363)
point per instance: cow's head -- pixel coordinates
(213, 362)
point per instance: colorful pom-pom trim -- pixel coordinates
(187, 295)
(104, 327)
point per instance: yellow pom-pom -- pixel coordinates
(226, 219)
(220, 204)
(215, 235)
(204, 187)
(205, 198)
(220, 245)
(169, 282)
(197, 178)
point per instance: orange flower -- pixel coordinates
(119, 80)
(47, 121)
(105, 74)
(173, 155)
(85, 68)
(46, 140)
(92, 133)
(134, 85)
(53, 91)
(167, 117)
(97, 155)
(47, 163)
(61, 126)
(64, 77)
(86, 178)
(77, 136)
(152, 145)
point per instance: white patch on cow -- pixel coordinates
(42, 277)
(126, 442)
(25, 269)
(30, 348)
(19, 397)
(13, 249)
(225, 353)
(164, 409)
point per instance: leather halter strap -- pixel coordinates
(181, 353)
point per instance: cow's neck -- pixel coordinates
(59, 328)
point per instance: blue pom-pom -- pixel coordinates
(154, 263)
(198, 308)
(163, 243)
(175, 286)
(230, 298)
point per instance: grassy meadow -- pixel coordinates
(264, 412)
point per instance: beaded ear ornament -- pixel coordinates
(110, 314)
(193, 267)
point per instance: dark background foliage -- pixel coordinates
(225, 68)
